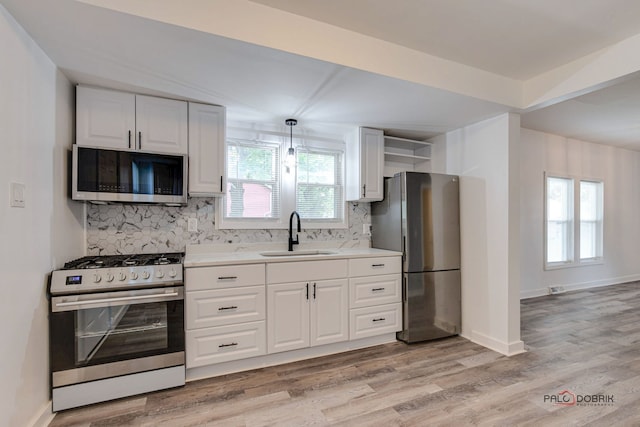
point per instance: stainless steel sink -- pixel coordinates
(296, 253)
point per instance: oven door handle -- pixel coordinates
(116, 299)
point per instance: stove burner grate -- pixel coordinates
(109, 261)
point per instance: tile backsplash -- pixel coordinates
(138, 228)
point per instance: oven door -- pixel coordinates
(103, 335)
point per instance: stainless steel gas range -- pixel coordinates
(116, 327)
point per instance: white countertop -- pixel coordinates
(226, 254)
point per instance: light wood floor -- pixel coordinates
(587, 342)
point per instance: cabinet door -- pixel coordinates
(372, 161)
(206, 150)
(288, 317)
(329, 311)
(365, 160)
(105, 118)
(161, 125)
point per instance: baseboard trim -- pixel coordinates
(43, 417)
(508, 349)
(580, 286)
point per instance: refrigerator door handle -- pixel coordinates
(404, 248)
(405, 290)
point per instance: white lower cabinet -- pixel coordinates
(219, 307)
(375, 298)
(304, 314)
(225, 343)
(225, 314)
(375, 320)
(236, 312)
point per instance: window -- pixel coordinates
(590, 220)
(319, 185)
(262, 191)
(559, 220)
(253, 188)
(566, 235)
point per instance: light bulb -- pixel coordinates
(290, 160)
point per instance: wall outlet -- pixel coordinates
(554, 290)
(366, 229)
(192, 225)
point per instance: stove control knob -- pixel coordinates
(134, 275)
(160, 274)
(172, 273)
(96, 278)
(145, 274)
(109, 277)
(122, 276)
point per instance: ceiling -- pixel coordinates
(220, 55)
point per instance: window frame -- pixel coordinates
(575, 259)
(318, 223)
(287, 180)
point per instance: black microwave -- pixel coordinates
(103, 175)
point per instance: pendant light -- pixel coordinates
(290, 160)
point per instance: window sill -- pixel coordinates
(584, 263)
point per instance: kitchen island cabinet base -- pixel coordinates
(285, 357)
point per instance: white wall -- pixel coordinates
(620, 170)
(36, 122)
(485, 155)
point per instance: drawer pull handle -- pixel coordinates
(377, 289)
(233, 344)
(380, 319)
(232, 307)
(227, 277)
(377, 265)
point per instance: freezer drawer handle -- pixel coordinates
(227, 277)
(377, 289)
(233, 344)
(379, 319)
(232, 307)
(377, 265)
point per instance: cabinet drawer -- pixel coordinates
(374, 266)
(228, 276)
(225, 306)
(225, 343)
(374, 290)
(377, 320)
(304, 271)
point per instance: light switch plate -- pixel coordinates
(17, 195)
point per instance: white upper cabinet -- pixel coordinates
(105, 118)
(365, 164)
(206, 150)
(120, 120)
(161, 125)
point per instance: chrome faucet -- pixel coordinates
(291, 240)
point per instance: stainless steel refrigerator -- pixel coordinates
(420, 217)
